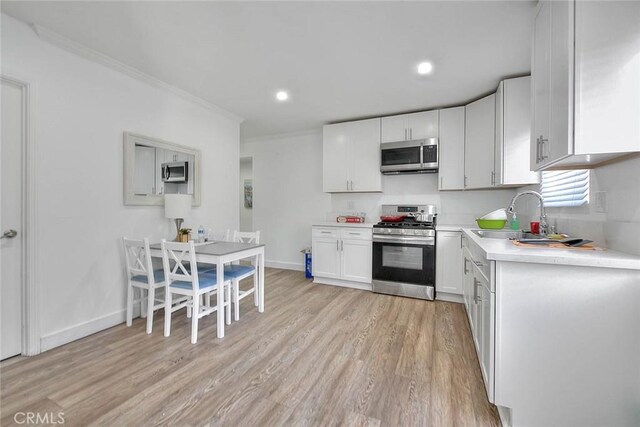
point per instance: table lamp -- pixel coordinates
(177, 207)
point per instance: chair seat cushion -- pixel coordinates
(202, 268)
(158, 276)
(236, 270)
(205, 280)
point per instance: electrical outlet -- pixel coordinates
(601, 201)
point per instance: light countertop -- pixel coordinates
(452, 227)
(504, 250)
(344, 224)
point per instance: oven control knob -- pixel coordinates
(417, 232)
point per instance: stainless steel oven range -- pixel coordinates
(404, 251)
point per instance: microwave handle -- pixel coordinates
(166, 172)
(421, 155)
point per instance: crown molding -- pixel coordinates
(106, 60)
(282, 135)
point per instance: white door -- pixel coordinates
(335, 149)
(394, 128)
(356, 260)
(423, 125)
(326, 257)
(449, 262)
(364, 156)
(451, 149)
(480, 129)
(11, 219)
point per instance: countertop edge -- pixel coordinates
(599, 259)
(343, 224)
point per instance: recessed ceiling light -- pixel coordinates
(282, 96)
(425, 68)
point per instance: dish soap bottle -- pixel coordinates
(515, 223)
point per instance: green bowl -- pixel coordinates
(491, 224)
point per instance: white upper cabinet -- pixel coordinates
(351, 157)
(423, 125)
(407, 127)
(451, 149)
(479, 142)
(395, 128)
(597, 95)
(513, 134)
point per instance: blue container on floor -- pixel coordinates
(307, 266)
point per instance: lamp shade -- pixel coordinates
(177, 205)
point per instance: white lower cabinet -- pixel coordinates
(448, 262)
(342, 256)
(326, 257)
(480, 304)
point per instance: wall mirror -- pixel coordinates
(153, 168)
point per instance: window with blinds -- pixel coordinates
(565, 188)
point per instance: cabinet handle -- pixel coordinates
(410, 133)
(466, 270)
(476, 283)
(342, 245)
(351, 185)
(493, 178)
(405, 134)
(542, 142)
(326, 232)
(465, 181)
(338, 245)
(347, 185)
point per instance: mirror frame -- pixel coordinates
(129, 152)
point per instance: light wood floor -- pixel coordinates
(319, 355)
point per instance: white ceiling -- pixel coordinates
(338, 60)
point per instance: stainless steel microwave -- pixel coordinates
(175, 172)
(417, 156)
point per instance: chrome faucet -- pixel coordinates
(543, 215)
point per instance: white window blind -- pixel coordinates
(565, 188)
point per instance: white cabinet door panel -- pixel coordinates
(479, 142)
(394, 128)
(364, 156)
(451, 149)
(449, 274)
(423, 125)
(356, 260)
(326, 257)
(334, 157)
(540, 82)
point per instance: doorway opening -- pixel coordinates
(246, 194)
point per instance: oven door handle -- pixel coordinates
(429, 241)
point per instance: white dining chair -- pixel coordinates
(142, 276)
(238, 272)
(219, 235)
(182, 281)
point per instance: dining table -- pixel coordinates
(220, 253)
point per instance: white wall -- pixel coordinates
(288, 197)
(287, 193)
(80, 111)
(246, 214)
(619, 227)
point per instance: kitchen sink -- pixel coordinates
(504, 234)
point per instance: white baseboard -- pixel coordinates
(284, 265)
(343, 283)
(67, 335)
(445, 296)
